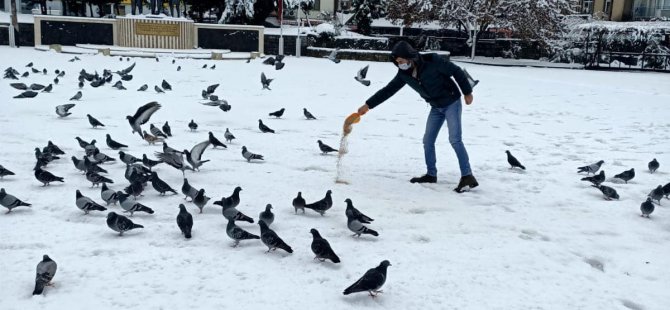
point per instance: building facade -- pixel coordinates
(625, 10)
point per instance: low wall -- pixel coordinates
(68, 30)
(237, 38)
(26, 34)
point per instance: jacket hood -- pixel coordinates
(405, 50)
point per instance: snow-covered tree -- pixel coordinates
(238, 12)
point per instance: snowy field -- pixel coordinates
(534, 239)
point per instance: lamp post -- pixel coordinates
(297, 40)
(281, 26)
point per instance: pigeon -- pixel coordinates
(608, 192)
(10, 202)
(97, 83)
(596, 179)
(321, 248)
(264, 128)
(113, 144)
(19, 86)
(225, 107)
(308, 115)
(238, 234)
(87, 204)
(325, 149)
(108, 195)
(278, 114)
(299, 203)
(194, 157)
(119, 85)
(647, 207)
(213, 97)
(333, 56)
(166, 85)
(142, 116)
(159, 185)
(653, 165)
(592, 168)
(513, 162)
(156, 132)
(354, 213)
(46, 177)
(137, 173)
(143, 87)
(86, 165)
(98, 157)
(371, 281)
(36, 86)
(126, 70)
(267, 216)
(45, 272)
(56, 81)
(29, 65)
(357, 227)
(626, 175)
(5, 172)
(158, 89)
(127, 77)
(26, 94)
(666, 189)
(53, 149)
(135, 188)
(83, 144)
(167, 130)
(232, 213)
(184, 221)
(94, 122)
(168, 149)
(132, 206)
(192, 125)
(360, 76)
(188, 190)
(265, 81)
(25, 75)
(279, 65)
(213, 67)
(270, 238)
(229, 136)
(157, 59)
(232, 201)
(269, 61)
(74, 59)
(200, 200)
(175, 160)
(215, 142)
(96, 179)
(204, 66)
(322, 205)
(120, 223)
(63, 109)
(178, 68)
(48, 89)
(128, 159)
(211, 89)
(657, 194)
(151, 138)
(249, 156)
(80, 84)
(149, 163)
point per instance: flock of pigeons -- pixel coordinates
(609, 193)
(139, 172)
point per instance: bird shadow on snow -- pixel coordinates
(362, 298)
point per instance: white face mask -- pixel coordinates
(405, 66)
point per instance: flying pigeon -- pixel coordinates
(360, 76)
(211, 89)
(229, 136)
(265, 81)
(36, 86)
(267, 216)
(26, 94)
(159, 185)
(113, 144)
(94, 122)
(143, 87)
(371, 282)
(354, 213)
(249, 156)
(657, 194)
(120, 223)
(19, 86)
(194, 157)
(46, 177)
(596, 179)
(626, 175)
(184, 221)
(10, 202)
(158, 89)
(333, 56)
(322, 205)
(126, 70)
(156, 132)
(108, 195)
(278, 114)
(63, 109)
(592, 168)
(264, 128)
(45, 272)
(142, 116)
(647, 207)
(127, 77)
(270, 238)
(215, 142)
(608, 192)
(299, 203)
(193, 125)
(513, 162)
(653, 165)
(166, 85)
(325, 149)
(321, 248)
(269, 61)
(307, 114)
(168, 149)
(5, 172)
(200, 200)
(175, 160)
(188, 190)
(167, 130)
(87, 204)
(279, 65)
(238, 234)
(132, 206)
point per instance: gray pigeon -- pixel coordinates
(114, 145)
(193, 125)
(657, 194)
(26, 94)
(215, 142)
(321, 248)
(108, 195)
(371, 282)
(325, 148)
(46, 177)
(200, 200)
(229, 136)
(232, 213)
(143, 87)
(653, 165)
(647, 207)
(132, 206)
(592, 168)
(158, 89)
(238, 234)
(77, 96)
(94, 122)
(333, 56)
(307, 114)
(159, 185)
(513, 161)
(128, 159)
(166, 85)
(188, 190)
(19, 86)
(46, 270)
(249, 156)
(299, 203)
(174, 159)
(5, 172)
(233, 200)
(142, 116)
(626, 175)
(357, 227)
(35, 86)
(263, 128)
(96, 179)
(48, 89)
(267, 216)
(270, 238)
(87, 204)
(156, 132)
(608, 192)
(167, 129)
(63, 109)
(10, 202)
(596, 179)
(211, 89)
(194, 157)
(185, 221)
(351, 211)
(360, 76)
(322, 205)
(120, 223)
(265, 81)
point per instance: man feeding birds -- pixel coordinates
(430, 76)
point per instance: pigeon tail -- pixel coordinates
(39, 287)
(138, 225)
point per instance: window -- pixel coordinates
(317, 5)
(587, 7)
(608, 8)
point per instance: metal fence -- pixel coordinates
(628, 61)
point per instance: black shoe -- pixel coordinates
(424, 179)
(467, 180)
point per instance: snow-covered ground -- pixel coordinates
(534, 239)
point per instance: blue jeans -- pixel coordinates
(436, 118)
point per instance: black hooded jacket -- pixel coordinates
(433, 81)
